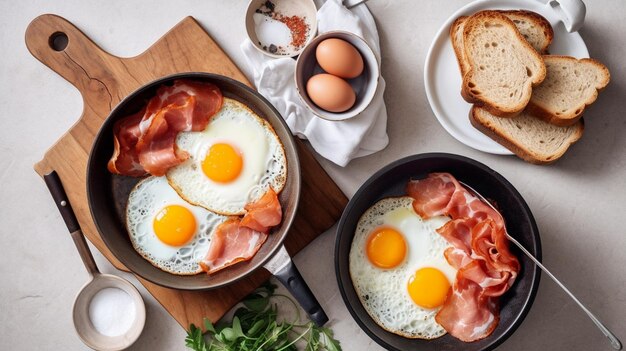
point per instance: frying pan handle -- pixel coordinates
(60, 198)
(287, 273)
(290, 277)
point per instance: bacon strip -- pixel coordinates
(231, 243)
(480, 253)
(145, 142)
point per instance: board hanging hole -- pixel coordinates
(58, 41)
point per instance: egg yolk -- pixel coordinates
(386, 248)
(428, 287)
(174, 225)
(223, 163)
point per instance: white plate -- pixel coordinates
(442, 79)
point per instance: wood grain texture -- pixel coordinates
(104, 80)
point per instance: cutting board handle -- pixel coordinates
(61, 46)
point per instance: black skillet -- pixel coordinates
(108, 194)
(391, 181)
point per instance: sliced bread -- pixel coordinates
(503, 66)
(533, 27)
(529, 137)
(456, 37)
(570, 86)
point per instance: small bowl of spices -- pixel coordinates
(281, 28)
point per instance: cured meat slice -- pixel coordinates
(264, 213)
(231, 243)
(147, 144)
(157, 147)
(458, 232)
(467, 315)
(480, 253)
(126, 134)
(432, 195)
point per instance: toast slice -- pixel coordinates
(570, 86)
(529, 137)
(503, 66)
(456, 37)
(533, 27)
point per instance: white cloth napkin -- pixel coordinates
(337, 141)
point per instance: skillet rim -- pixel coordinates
(342, 273)
(287, 143)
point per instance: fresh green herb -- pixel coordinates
(255, 327)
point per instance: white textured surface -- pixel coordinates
(579, 203)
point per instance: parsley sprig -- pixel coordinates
(255, 327)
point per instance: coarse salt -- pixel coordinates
(112, 312)
(271, 32)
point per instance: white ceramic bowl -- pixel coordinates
(364, 85)
(85, 328)
(304, 9)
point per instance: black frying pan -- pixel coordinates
(108, 194)
(391, 181)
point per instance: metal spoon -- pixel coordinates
(612, 338)
(98, 281)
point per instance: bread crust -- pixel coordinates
(571, 118)
(538, 20)
(468, 85)
(517, 148)
(460, 56)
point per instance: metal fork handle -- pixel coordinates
(612, 338)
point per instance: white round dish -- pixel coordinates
(442, 79)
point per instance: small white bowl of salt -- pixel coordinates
(281, 28)
(109, 313)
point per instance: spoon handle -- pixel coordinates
(63, 204)
(612, 338)
(60, 198)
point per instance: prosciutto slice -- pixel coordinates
(157, 148)
(264, 213)
(125, 158)
(238, 239)
(231, 243)
(474, 316)
(145, 142)
(480, 253)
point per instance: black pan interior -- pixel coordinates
(108, 193)
(391, 181)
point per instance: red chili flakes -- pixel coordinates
(298, 27)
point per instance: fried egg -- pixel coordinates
(231, 163)
(398, 268)
(166, 230)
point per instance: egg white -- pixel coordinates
(383, 292)
(264, 162)
(145, 200)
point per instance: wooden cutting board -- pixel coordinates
(104, 80)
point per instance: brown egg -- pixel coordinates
(330, 93)
(338, 57)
